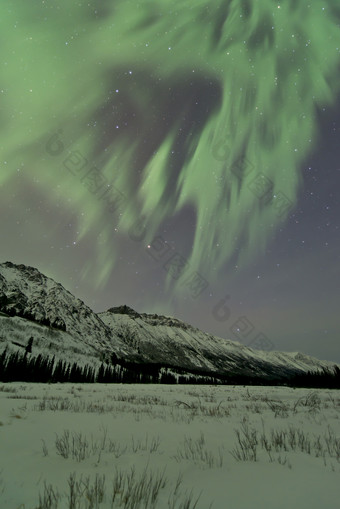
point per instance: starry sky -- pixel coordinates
(181, 158)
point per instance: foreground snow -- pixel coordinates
(162, 446)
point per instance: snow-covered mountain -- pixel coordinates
(33, 305)
(28, 294)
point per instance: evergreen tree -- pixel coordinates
(28, 348)
(3, 362)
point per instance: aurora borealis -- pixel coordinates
(156, 153)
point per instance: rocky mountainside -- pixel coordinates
(30, 301)
(26, 293)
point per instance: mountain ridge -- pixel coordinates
(69, 325)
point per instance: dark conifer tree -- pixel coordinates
(3, 361)
(28, 348)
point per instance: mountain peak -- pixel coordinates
(19, 266)
(123, 310)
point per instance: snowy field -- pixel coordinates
(168, 447)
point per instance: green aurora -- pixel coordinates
(176, 104)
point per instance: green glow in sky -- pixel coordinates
(116, 79)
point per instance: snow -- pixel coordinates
(128, 334)
(173, 420)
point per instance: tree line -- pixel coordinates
(22, 367)
(25, 367)
(325, 379)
